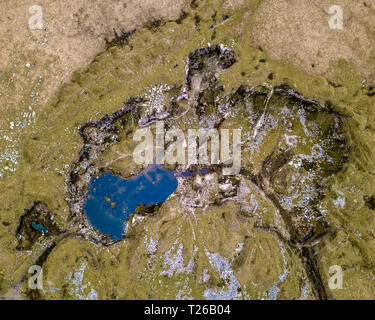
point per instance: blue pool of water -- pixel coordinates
(189, 173)
(111, 199)
(39, 227)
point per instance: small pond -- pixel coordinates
(112, 199)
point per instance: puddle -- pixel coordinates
(38, 227)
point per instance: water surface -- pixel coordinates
(112, 199)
